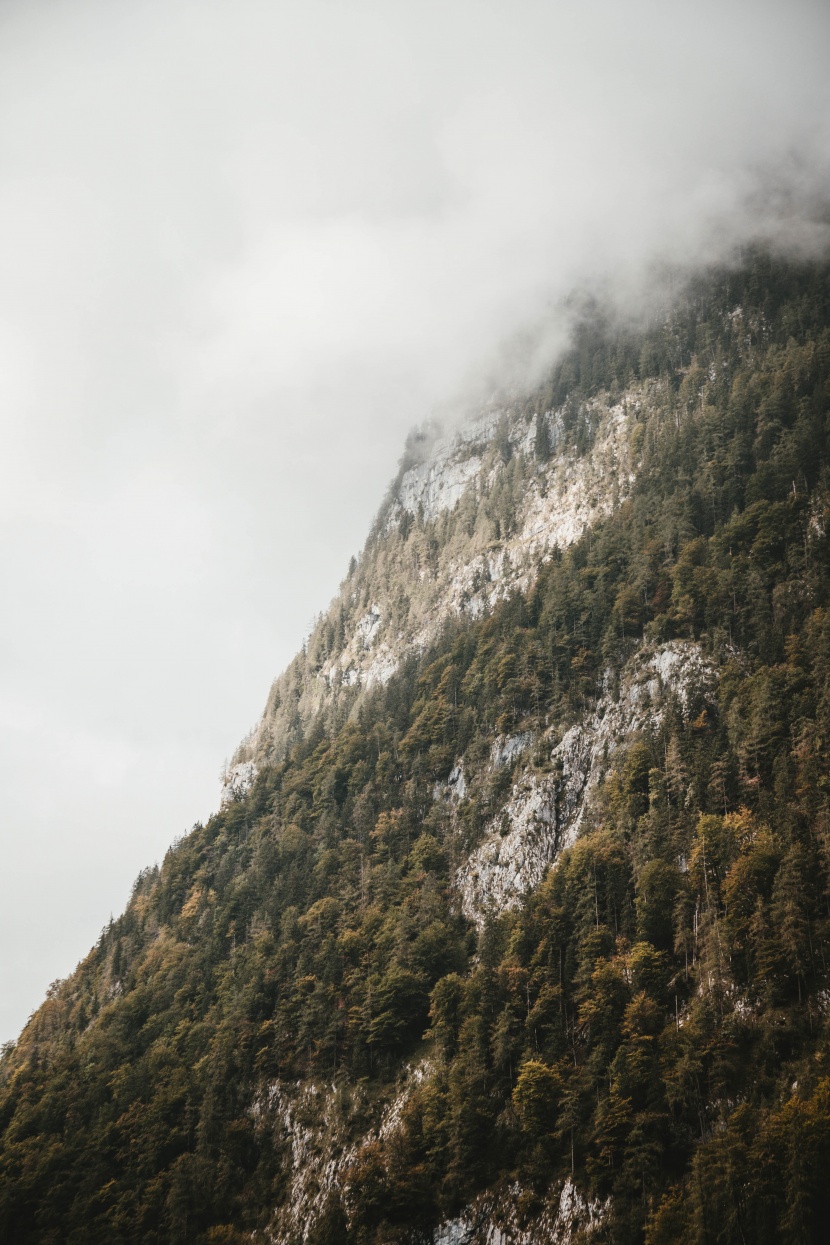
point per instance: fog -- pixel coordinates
(243, 248)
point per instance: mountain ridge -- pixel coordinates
(467, 471)
(528, 939)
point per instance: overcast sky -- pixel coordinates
(243, 248)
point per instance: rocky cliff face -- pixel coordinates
(546, 809)
(473, 515)
(475, 511)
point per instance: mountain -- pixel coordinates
(514, 922)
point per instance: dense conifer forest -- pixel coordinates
(652, 1021)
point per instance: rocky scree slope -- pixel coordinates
(526, 938)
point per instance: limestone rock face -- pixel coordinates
(471, 517)
(237, 781)
(545, 811)
(316, 1124)
(497, 1220)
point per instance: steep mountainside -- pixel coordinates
(472, 515)
(514, 924)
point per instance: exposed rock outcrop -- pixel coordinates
(545, 811)
(502, 1219)
(237, 781)
(473, 515)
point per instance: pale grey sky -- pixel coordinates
(243, 248)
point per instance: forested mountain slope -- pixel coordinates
(517, 919)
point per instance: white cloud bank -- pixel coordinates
(243, 247)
